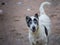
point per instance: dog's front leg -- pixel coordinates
(33, 44)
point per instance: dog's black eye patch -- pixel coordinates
(35, 21)
(28, 20)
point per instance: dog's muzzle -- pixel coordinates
(33, 29)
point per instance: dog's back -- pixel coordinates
(44, 19)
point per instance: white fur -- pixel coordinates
(44, 18)
(40, 35)
(41, 9)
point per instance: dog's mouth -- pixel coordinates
(33, 30)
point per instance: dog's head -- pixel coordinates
(32, 22)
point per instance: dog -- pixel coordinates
(39, 27)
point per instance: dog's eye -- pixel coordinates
(35, 21)
(30, 22)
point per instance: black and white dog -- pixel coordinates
(39, 27)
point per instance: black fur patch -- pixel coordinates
(28, 20)
(46, 31)
(35, 21)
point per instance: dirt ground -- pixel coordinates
(13, 28)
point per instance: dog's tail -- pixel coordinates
(41, 9)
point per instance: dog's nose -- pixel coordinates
(33, 28)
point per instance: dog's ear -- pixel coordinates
(36, 15)
(27, 18)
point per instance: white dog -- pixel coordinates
(39, 27)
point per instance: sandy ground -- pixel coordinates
(13, 28)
